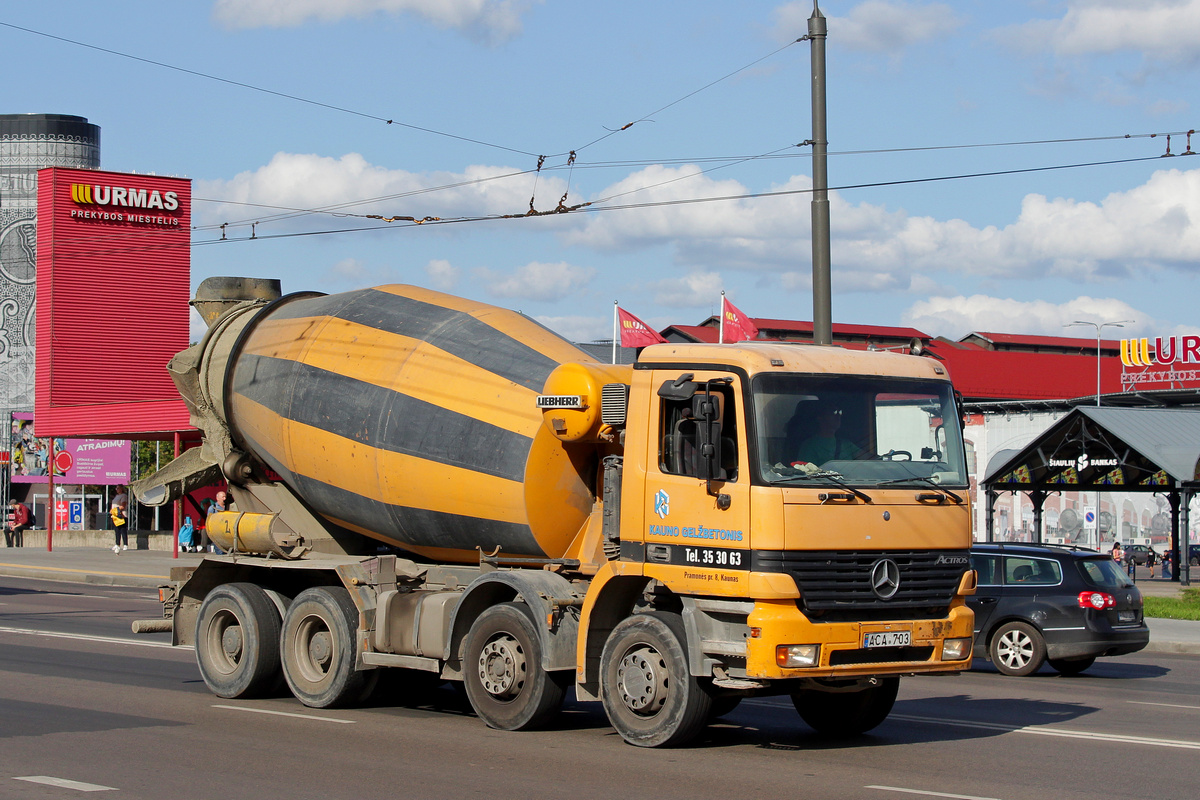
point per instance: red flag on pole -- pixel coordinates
(634, 332)
(738, 327)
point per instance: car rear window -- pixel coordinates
(1103, 573)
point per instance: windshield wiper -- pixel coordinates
(925, 480)
(824, 475)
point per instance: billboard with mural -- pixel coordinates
(81, 461)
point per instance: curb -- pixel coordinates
(93, 577)
(1176, 648)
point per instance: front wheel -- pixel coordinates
(649, 694)
(1017, 649)
(318, 647)
(502, 670)
(847, 713)
(237, 641)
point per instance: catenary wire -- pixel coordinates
(285, 95)
(725, 160)
(592, 208)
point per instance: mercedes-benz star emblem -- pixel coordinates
(885, 578)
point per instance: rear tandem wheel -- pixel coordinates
(237, 641)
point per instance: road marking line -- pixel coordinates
(89, 596)
(1164, 705)
(929, 794)
(1059, 732)
(84, 571)
(63, 783)
(287, 714)
(83, 637)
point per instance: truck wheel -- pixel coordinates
(502, 669)
(1017, 649)
(649, 694)
(318, 648)
(237, 641)
(847, 713)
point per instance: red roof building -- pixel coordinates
(986, 367)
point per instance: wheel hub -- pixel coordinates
(642, 679)
(320, 649)
(502, 667)
(231, 642)
(1015, 650)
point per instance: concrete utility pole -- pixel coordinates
(821, 283)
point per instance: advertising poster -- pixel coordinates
(81, 461)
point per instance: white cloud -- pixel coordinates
(489, 20)
(1152, 226)
(443, 275)
(537, 281)
(579, 329)
(954, 317)
(1160, 30)
(306, 181)
(697, 290)
(875, 26)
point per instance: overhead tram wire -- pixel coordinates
(333, 210)
(573, 162)
(254, 88)
(593, 208)
(291, 212)
(632, 206)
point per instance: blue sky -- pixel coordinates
(719, 94)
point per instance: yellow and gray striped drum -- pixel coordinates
(410, 416)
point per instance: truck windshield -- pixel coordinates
(857, 430)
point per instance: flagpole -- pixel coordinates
(721, 330)
(615, 332)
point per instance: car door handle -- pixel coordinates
(986, 600)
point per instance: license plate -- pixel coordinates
(887, 639)
(1126, 616)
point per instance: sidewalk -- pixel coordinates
(96, 565)
(149, 568)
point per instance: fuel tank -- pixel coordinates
(411, 417)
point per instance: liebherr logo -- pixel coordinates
(127, 197)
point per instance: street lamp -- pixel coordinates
(1099, 326)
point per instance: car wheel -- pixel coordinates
(1017, 649)
(1072, 666)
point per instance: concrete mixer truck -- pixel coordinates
(436, 487)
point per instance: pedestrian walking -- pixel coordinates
(119, 511)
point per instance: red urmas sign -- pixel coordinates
(113, 275)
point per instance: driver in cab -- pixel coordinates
(825, 444)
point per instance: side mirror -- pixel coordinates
(706, 408)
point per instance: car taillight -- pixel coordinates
(1096, 600)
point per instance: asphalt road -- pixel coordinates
(86, 706)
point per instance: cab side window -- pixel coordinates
(680, 435)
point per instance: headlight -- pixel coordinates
(956, 649)
(794, 656)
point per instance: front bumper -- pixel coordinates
(842, 655)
